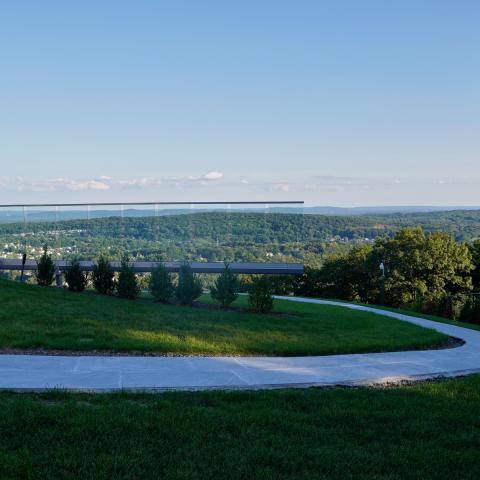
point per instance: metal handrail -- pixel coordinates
(146, 266)
(119, 204)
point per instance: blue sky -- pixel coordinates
(335, 102)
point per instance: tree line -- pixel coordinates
(429, 273)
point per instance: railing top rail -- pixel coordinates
(110, 204)
(145, 267)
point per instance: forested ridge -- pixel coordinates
(279, 227)
(224, 235)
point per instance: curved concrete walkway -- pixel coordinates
(163, 373)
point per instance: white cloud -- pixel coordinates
(283, 187)
(139, 182)
(175, 181)
(213, 175)
(87, 185)
(55, 184)
(105, 182)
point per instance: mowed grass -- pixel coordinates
(428, 431)
(33, 317)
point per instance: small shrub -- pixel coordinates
(471, 310)
(447, 306)
(417, 305)
(75, 278)
(429, 307)
(45, 273)
(127, 285)
(225, 288)
(189, 287)
(161, 285)
(450, 306)
(102, 277)
(260, 295)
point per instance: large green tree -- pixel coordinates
(448, 265)
(347, 276)
(416, 266)
(403, 259)
(424, 266)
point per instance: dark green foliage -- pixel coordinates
(348, 276)
(5, 275)
(127, 284)
(283, 284)
(447, 306)
(75, 278)
(260, 297)
(309, 284)
(225, 288)
(189, 286)
(45, 273)
(471, 310)
(161, 285)
(451, 306)
(475, 251)
(103, 277)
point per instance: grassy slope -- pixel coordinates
(428, 431)
(35, 317)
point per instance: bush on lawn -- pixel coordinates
(189, 286)
(102, 277)
(127, 284)
(45, 273)
(260, 294)
(225, 289)
(161, 285)
(75, 278)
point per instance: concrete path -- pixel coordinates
(163, 373)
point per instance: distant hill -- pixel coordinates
(47, 215)
(348, 211)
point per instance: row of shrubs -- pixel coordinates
(185, 291)
(461, 307)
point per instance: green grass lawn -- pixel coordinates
(33, 317)
(427, 431)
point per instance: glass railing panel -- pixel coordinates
(201, 232)
(12, 232)
(74, 233)
(41, 230)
